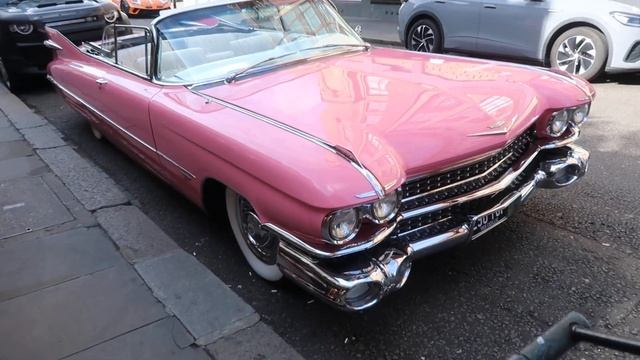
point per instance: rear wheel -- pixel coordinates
(9, 78)
(581, 51)
(424, 36)
(259, 246)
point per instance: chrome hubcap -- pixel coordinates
(423, 39)
(262, 243)
(576, 55)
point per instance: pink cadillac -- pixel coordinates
(339, 163)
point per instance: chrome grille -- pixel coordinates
(54, 24)
(427, 190)
(435, 188)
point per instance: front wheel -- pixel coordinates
(259, 246)
(581, 51)
(424, 36)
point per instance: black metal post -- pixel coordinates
(608, 341)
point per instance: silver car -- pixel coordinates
(583, 37)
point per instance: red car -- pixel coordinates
(339, 163)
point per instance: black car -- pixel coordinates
(22, 32)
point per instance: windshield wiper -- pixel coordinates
(231, 78)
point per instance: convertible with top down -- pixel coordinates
(339, 164)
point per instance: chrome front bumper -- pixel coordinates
(358, 281)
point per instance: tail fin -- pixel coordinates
(60, 44)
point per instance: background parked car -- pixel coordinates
(581, 37)
(137, 7)
(22, 33)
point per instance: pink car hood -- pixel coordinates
(402, 113)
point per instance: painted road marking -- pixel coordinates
(9, 207)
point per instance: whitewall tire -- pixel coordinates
(257, 246)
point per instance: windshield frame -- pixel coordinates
(221, 80)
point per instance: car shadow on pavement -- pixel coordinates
(622, 79)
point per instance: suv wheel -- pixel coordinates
(424, 36)
(581, 51)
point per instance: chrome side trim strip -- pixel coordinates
(344, 153)
(115, 125)
(184, 171)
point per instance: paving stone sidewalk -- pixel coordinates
(86, 275)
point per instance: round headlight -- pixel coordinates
(343, 225)
(385, 208)
(558, 123)
(111, 16)
(24, 29)
(580, 114)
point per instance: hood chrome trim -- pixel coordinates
(346, 154)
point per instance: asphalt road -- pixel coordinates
(573, 249)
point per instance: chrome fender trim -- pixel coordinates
(52, 45)
(338, 150)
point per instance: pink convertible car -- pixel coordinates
(339, 164)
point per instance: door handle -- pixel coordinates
(440, 2)
(101, 81)
(490, 6)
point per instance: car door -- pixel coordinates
(124, 89)
(512, 28)
(459, 20)
(111, 84)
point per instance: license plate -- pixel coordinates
(482, 223)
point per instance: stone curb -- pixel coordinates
(179, 281)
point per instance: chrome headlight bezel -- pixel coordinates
(363, 212)
(370, 213)
(558, 123)
(571, 119)
(22, 29)
(583, 109)
(112, 16)
(329, 224)
(627, 19)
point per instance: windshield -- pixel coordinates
(216, 42)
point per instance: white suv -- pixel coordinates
(583, 37)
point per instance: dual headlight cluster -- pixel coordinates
(560, 120)
(22, 29)
(112, 16)
(343, 225)
(26, 29)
